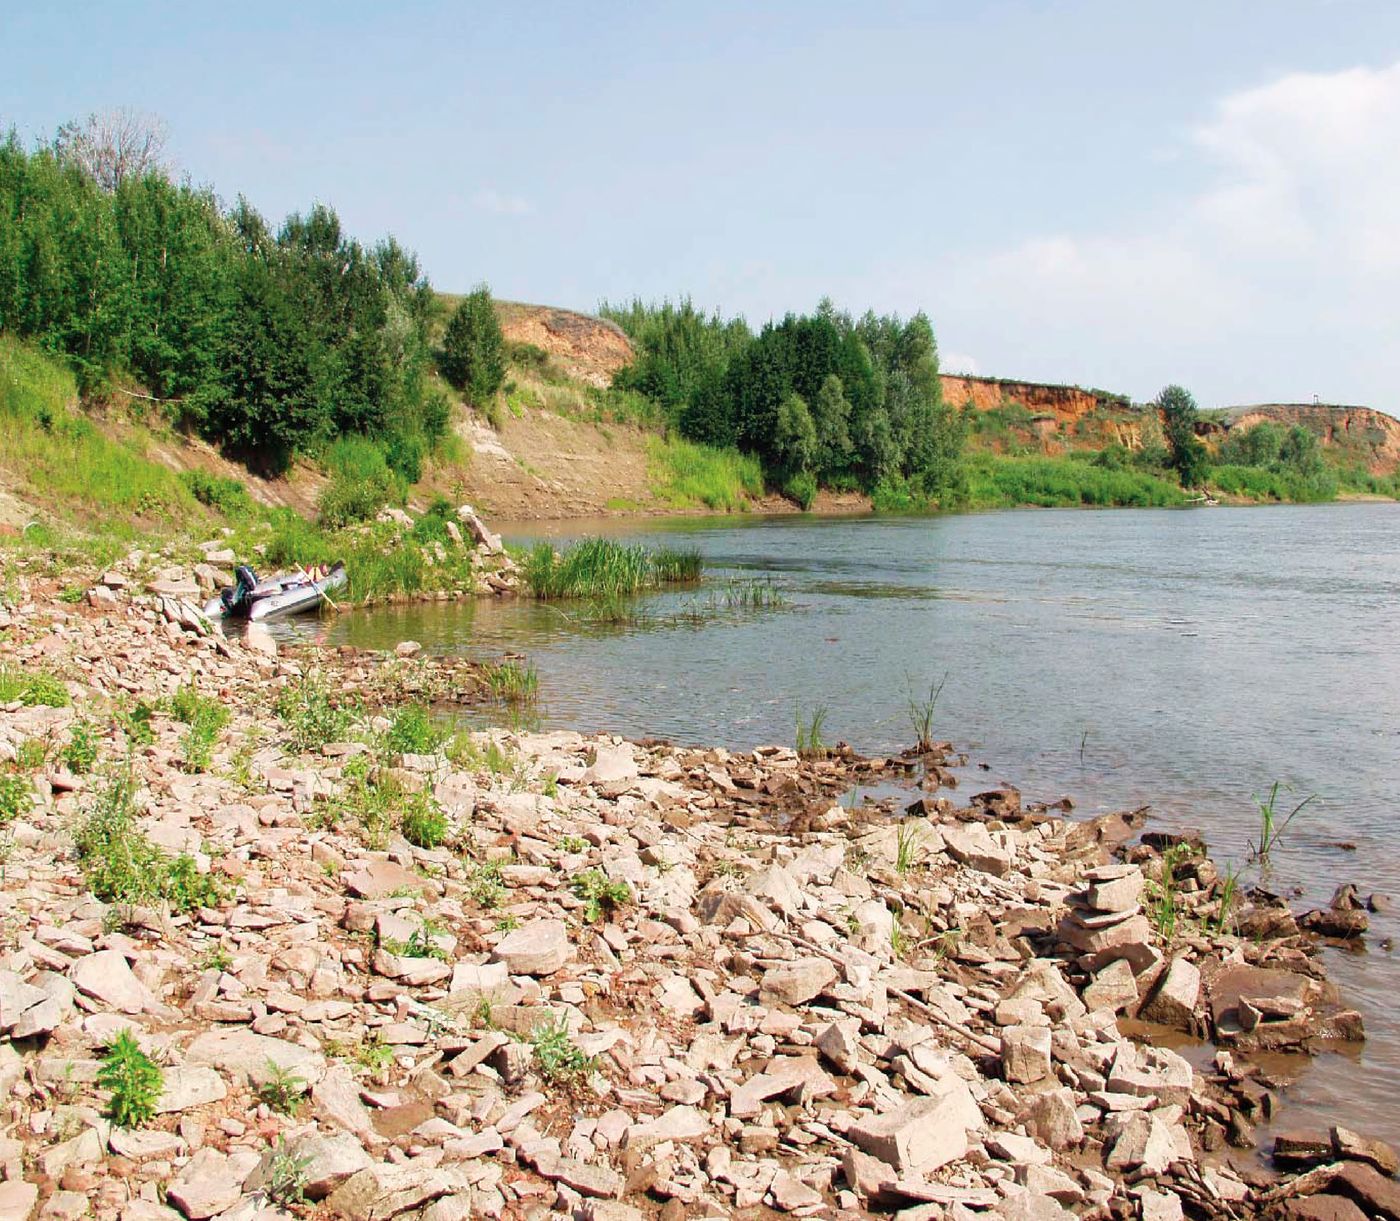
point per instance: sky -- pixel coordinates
(1112, 194)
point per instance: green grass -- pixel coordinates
(51, 449)
(600, 567)
(511, 681)
(1266, 483)
(413, 732)
(204, 719)
(312, 719)
(685, 475)
(32, 689)
(810, 724)
(998, 481)
(600, 896)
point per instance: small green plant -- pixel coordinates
(898, 941)
(216, 959)
(512, 682)
(557, 1059)
(283, 1089)
(135, 1082)
(569, 845)
(809, 732)
(16, 796)
(81, 752)
(921, 711)
(507, 924)
(31, 754)
(1271, 826)
(286, 1176)
(136, 723)
(550, 787)
(204, 719)
(311, 718)
(423, 823)
(41, 688)
(373, 1054)
(413, 732)
(906, 846)
(1163, 894)
(1224, 921)
(485, 887)
(600, 896)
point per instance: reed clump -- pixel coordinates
(602, 568)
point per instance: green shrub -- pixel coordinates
(227, 496)
(41, 688)
(282, 1090)
(135, 1082)
(81, 752)
(362, 482)
(205, 719)
(558, 1060)
(423, 824)
(473, 349)
(413, 732)
(801, 489)
(16, 797)
(312, 719)
(600, 896)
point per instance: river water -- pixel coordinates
(1179, 659)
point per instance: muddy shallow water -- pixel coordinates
(1182, 659)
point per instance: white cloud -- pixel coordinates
(1280, 277)
(957, 362)
(488, 199)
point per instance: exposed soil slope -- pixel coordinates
(588, 349)
(1363, 433)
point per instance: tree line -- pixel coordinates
(266, 341)
(821, 399)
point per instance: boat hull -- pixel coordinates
(281, 595)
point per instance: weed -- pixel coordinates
(283, 1089)
(906, 846)
(205, 719)
(898, 941)
(600, 567)
(423, 823)
(484, 885)
(1229, 896)
(921, 711)
(7, 846)
(216, 959)
(286, 1176)
(81, 752)
(16, 796)
(40, 688)
(550, 787)
(600, 896)
(71, 594)
(571, 844)
(1162, 894)
(758, 593)
(311, 717)
(1271, 827)
(136, 724)
(373, 1054)
(557, 1058)
(31, 754)
(507, 924)
(511, 682)
(413, 732)
(809, 732)
(134, 1079)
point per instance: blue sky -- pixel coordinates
(1117, 194)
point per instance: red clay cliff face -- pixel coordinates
(588, 349)
(1368, 435)
(1063, 417)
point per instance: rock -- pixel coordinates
(1113, 987)
(380, 878)
(1348, 1146)
(208, 1184)
(407, 648)
(330, 1160)
(187, 1086)
(141, 1146)
(1322, 1208)
(17, 1200)
(1301, 1149)
(1025, 1054)
(105, 977)
(796, 983)
(611, 765)
(336, 1097)
(971, 844)
(1154, 1205)
(1053, 1119)
(488, 542)
(252, 1056)
(1342, 923)
(258, 638)
(584, 1177)
(1143, 1143)
(381, 1190)
(680, 1123)
(924, 1134)
(791, 1194)
(1177, 995)
(540, 947)
(1377, 1196)
(1114, 888)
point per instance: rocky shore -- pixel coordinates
(605, 980)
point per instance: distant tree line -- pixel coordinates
(821, 399)
(266, 341)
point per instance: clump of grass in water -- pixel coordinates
(1162, 895)
(810, 744)
(921, 711)
(600, 567)
(1271, 826)
(759, 593)
(512, 682)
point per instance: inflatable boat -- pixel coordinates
(287, 593)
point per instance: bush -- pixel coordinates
(473, 349)
(226, 496)
(423, 824)
(312, 719)
(16, 796)
(134, 1079)
(413, 732)
(801, 489)
(362, 482)
(205, 719)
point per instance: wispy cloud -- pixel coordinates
(498, 203)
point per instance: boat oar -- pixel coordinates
(302, 569)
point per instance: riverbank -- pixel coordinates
(501, 972)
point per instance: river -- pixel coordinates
(1179, 659)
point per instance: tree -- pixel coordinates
(794, 436)
(473, 349)
(112, 146)
(1179, 415)
(831, 416)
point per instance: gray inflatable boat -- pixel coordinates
(287, 593)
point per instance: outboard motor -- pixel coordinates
(235, 600)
